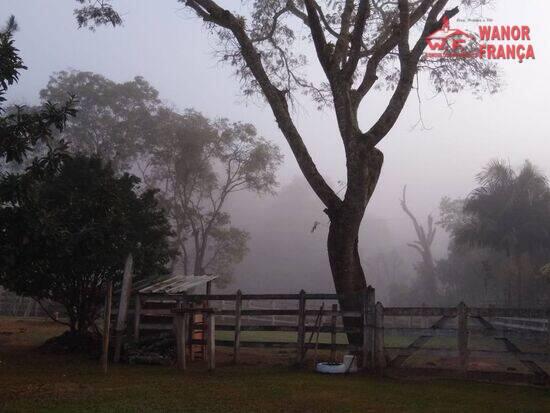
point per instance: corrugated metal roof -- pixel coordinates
(178, 284)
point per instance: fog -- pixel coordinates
(168, 47)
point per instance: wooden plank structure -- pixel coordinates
(237, 338)
(462, 336)
(171, 293)
(379, 354)
(234, 313)
(333, 320)
(179, 284)
(182, 316)
(300, 353)
(156, 303)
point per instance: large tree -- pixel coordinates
(198, 165)
(64, 233)
(360, 45)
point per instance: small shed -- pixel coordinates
(179, 284)
(154, 303)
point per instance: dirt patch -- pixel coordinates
(68, 343)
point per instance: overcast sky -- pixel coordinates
(166, 45)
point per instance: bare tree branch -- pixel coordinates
(318, 36)
(363, 13)
(276, 99)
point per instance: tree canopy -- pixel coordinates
(510, 211)
(198, 165)
(115, 120)
(65, 233)
(500, 233)
(20, 128)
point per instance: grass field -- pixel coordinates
(34, 382)
(289, 337)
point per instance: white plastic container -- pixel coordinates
(348, 366)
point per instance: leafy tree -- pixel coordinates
(451, 214)
(65, 233)
(360, 45)
(97, 12)
(510, 213)
(198, 165)
(115, 120)
(21, 129)
(473, 274)
(195, 163)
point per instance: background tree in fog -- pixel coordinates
(426, 284)
(115, 120)
(509, 213)
(360, 45)
(198, 165)
(195, 163)
(385, 270)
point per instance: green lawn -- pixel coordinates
(480, 343)
(35, 382)
(289, 337)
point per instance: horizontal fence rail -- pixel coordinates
(516, 323)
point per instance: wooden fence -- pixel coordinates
(295, 313)
(15, 305)
(153, 313)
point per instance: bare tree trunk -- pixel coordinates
(426, 269)
(197, 262)
(347, 272)
(343, 238)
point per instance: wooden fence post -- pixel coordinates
(107, 326)
(211, 339)
(180, 326)
(301, 327)
(123, 306)
(380, 358)
(368, 327)
(462, 336)
(364, 318)
(237, 340)
(137, 317)
(333, 333)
